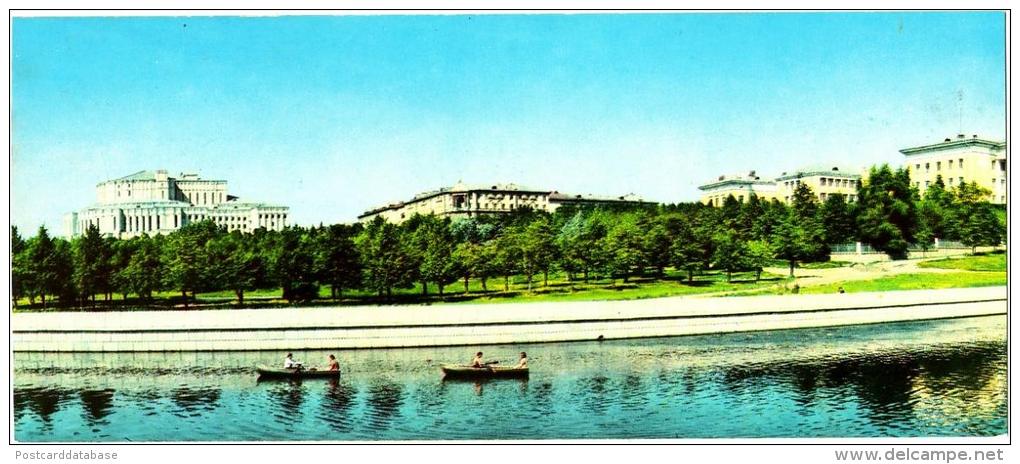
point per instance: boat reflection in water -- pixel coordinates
(938, 378)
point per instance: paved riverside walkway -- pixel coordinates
(445, 325)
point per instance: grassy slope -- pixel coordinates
(914, 282)
(989, 262)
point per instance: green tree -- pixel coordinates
(570, 248)
(975, 217)
(656, 243)
(237, 263)
(691, 246)
(185, 260)
(888, 213)
(292, 264)
(432, 243)
(730, 253)
(144, 273)
(804, 203)
(759, 253)
(506, 253)
(386, 263)
(837, 220)
(19, 269)
(44, 266)
(337, 259)
(624, 244)
(538, 249)
(792, 242)
(90, 263)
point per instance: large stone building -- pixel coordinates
(461, 201)
(152, 202)
(824, 181)
(739, 186)
(963, 159)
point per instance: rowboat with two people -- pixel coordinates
(479, 369)
(295, 370)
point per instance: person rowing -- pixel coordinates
(290, 363)
(478, 362)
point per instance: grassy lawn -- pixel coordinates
(559, 289)
(914, 282)
(993, 262)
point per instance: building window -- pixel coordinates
(938, 165)
(918, 166)
(927, 167)
(925, 184)
(950, 164)
(960, 163)
(961, 180)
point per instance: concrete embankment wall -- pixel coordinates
(446, 325)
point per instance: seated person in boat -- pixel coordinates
(290, 363)
(477, 362)
(523, 363)
(333, 365)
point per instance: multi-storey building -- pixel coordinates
(960, 160)
(462, 201)
(152, 202)
(824, 182)
(739, 186)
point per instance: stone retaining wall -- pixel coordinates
(477, 324)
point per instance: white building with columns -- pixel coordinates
(152, 202)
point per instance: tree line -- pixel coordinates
(435, 253)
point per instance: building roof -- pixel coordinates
(243, 205)
(461, 187)
(821, 170)
(960, 141)
(563, 197)
(751, 178)
(141, 204)
(140, 175)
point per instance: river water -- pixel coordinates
(936, 378)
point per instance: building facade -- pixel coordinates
(152, 202)
(963, 159)
(739, 186)
(463, 201)
(824, 181)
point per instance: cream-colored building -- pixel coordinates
(824, 181)
(963, 159)
(740, 186)
(152, 202)
(462, 201)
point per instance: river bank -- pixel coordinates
(420, 326)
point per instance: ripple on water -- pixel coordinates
(924, 379)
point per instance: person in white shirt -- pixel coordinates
(290, 363)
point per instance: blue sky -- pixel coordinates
(334, 115)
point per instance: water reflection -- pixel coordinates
(286, 398)
(384, 401)
(97, 403)
(869, 381)
(337, 400)
(41, 401)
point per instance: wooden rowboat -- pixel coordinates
(280, 373)
(468, 372)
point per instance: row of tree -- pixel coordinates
(617, 243)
